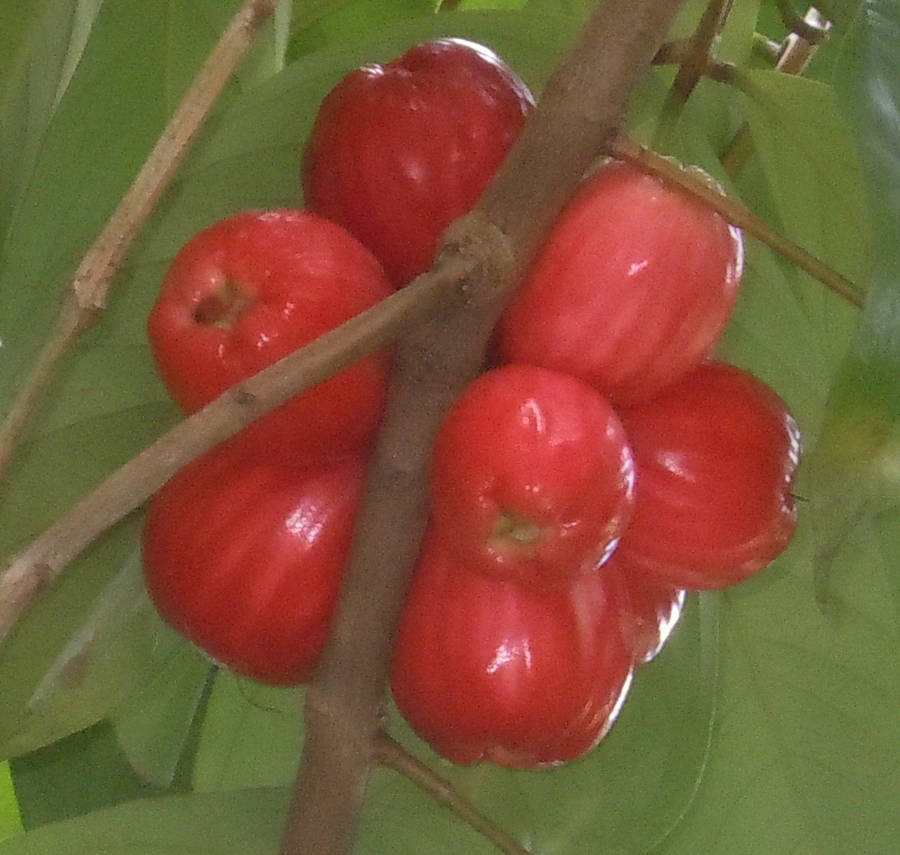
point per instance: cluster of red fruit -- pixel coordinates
(603, 467)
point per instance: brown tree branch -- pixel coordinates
(93, 278)
(577, 118)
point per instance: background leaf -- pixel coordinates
(855, 468)
(40, 43)
(230, 823)
(10, 821)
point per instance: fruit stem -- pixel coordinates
(393, 755)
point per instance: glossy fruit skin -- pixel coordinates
(652, 612)
(244, 557)
(249, 290)
(532, 478)
(632, 289)
(489, 670)
(399, 151)
(715, 459)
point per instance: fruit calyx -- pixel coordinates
(512, 529)
(225, 307)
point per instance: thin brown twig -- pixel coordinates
(90, 285)
(697, 60)
(677, 52)
(737, 214)
(392, 755)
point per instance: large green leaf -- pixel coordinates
(43, 778)
(228, 823)
(40, 44)
(104, 647)
(10, 821)
(855, 469)
(252, 736)
(804, 757)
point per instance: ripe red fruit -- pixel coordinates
(399, 151)
(487, 669)
(652, 608)
(251, 289)
(632, 289)
(532, 477)
(715, 457)
(245, 556)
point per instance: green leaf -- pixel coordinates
(354, 20)
(155, 725)
(800, 137)
(45, 787)
(232, 823)
(95, 418)
(40, 45)
(10, 820)
(251, 737)
(735, 43)
(805, 753)
(87, 649)
(856, 466)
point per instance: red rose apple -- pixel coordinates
(245, 556)
(251, 289)
(487, 669)
(715, 457)
(632, 289)
(652, 608)
(399, 151)
(532, 477)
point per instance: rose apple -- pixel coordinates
(399, 151)
(715, 458)
(245, 556)
(532, 477)
(652, 611)
(251, 289)
(487, 669)
(631, 290)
